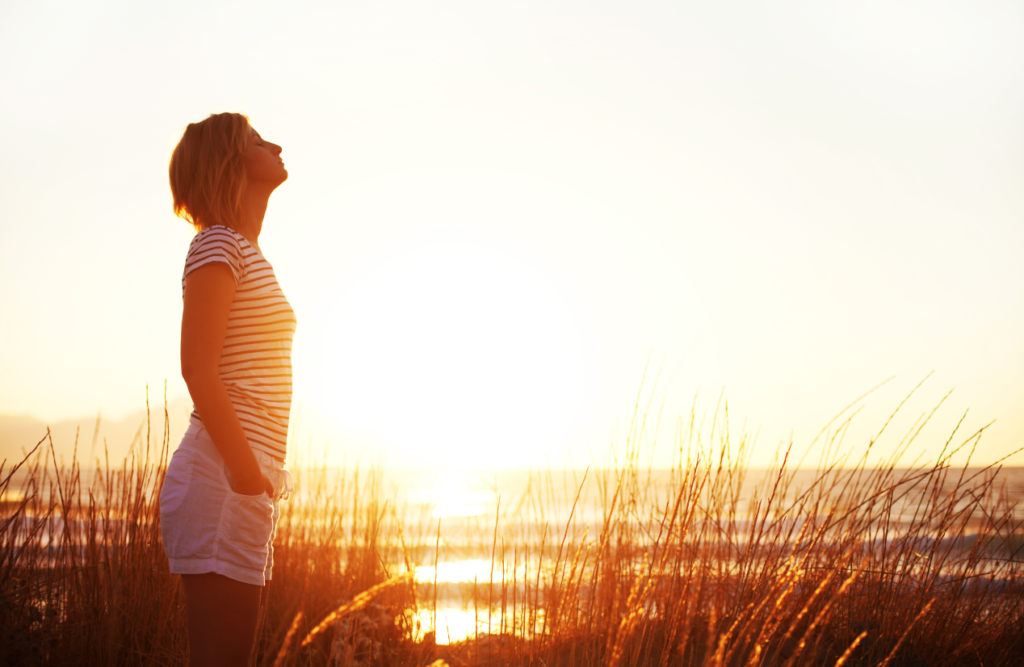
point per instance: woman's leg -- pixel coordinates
(222, 617)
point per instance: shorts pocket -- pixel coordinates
(190, 506)
(177, 480)
(261, 494)
(246, 526)
(173, 494)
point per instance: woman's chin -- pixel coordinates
(279, 179)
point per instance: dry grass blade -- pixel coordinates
(286, 645)
(850, 649)
(906, 632)
(357, 603)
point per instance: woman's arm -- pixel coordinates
(204, 321)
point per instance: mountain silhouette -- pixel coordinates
(98, 440)
(314, 438)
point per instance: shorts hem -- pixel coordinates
(208, 565)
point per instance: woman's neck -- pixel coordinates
(250, 223)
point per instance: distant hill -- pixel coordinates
(20, 433)
(314, 438)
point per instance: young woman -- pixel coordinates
(220, 499)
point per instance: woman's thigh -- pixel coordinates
(222, 619)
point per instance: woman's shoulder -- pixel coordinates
(218, 244)
(217, 234)
(224, 237)
(220, 240)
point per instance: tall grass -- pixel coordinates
(848, 564)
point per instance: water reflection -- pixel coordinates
(454, 624)
(453, 494)
(464, 571)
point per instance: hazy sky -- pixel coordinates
(497, 211)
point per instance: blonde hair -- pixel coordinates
(207, 170)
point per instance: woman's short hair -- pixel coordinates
(207, 170)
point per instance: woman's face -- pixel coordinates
(263, 163)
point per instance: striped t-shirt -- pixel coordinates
(256, 360)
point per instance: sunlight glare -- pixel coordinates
(453, 495)
(456, 572)
(461, 355)
(454, 624)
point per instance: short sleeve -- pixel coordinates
(214, 244)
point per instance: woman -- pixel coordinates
(220, 499)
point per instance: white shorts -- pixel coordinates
(207, 527)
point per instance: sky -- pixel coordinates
(504, 220)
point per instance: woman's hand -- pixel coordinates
(253, 486)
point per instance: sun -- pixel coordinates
(455, 354)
